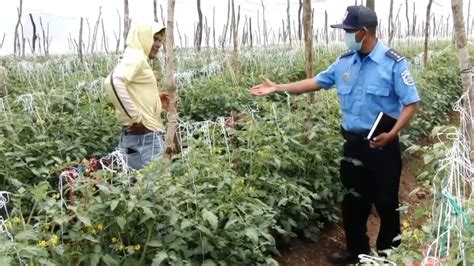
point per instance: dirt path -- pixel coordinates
(303, 252)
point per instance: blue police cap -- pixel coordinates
(358, 17)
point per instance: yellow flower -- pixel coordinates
(405, 233)
(8, 224)
(93, 231)
(42, 244)
(136, 247)
(405, 224)
(415, 235)
(56, 196)
(114, 240)
(186, 174)
(54, 240)
(17, 219)
(120, 247)
(100, 227)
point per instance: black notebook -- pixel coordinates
(383, 123)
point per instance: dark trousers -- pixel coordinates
(372, 176)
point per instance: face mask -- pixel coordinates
(350, 40)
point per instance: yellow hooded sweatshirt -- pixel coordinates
(132, 87)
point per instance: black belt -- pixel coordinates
(353, 136)
(144, 131)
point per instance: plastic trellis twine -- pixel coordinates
(451, 211)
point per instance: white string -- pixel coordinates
(375, 260)
(187, 131)
(28, 102)
(116, 161)
(69, 176)
(4, 199)
(450, 206)
(4, 108)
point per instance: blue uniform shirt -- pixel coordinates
(380, 82)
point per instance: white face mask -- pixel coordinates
(351, 42)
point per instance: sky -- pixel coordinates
(63, 16)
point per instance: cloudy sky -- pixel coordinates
(63, 15)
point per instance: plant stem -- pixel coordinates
(145, 246)
(32, 211)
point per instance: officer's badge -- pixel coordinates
(345, 77)
(407, 78)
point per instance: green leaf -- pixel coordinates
(30, 159)
(159, 258)
(85, 220)
(209, 263)
(107, 259)
(252, 234)
(19, 165)
(26, 235)
(283, 202)
(121, 222)
(113, 204)
(94, 260)
(90, 238)
(57, 159)
(5, 260)
(185, 224)
(205, 230)
(154, 243)
(211, 218)
(230, 223)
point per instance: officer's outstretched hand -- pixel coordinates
(265, 88)
(382, 140)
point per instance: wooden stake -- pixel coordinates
(467, 76)
(170, 145)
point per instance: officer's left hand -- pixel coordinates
(382, 140)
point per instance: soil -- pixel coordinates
(303, 252)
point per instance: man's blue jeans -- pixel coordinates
(141, 148)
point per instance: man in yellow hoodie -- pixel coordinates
(133, 90)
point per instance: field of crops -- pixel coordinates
(253, 173)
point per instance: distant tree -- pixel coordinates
(126, 22)
(308, 40)
(427, 32)
(370, 4)
(198, 39)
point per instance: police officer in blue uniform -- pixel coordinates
(369, 78)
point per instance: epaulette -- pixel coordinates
(394, 55)
(347, 53)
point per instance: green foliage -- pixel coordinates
(215, 205)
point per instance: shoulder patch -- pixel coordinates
(394, 55)
(347, 53)
(407, 78)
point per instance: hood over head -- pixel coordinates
(141, 36)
